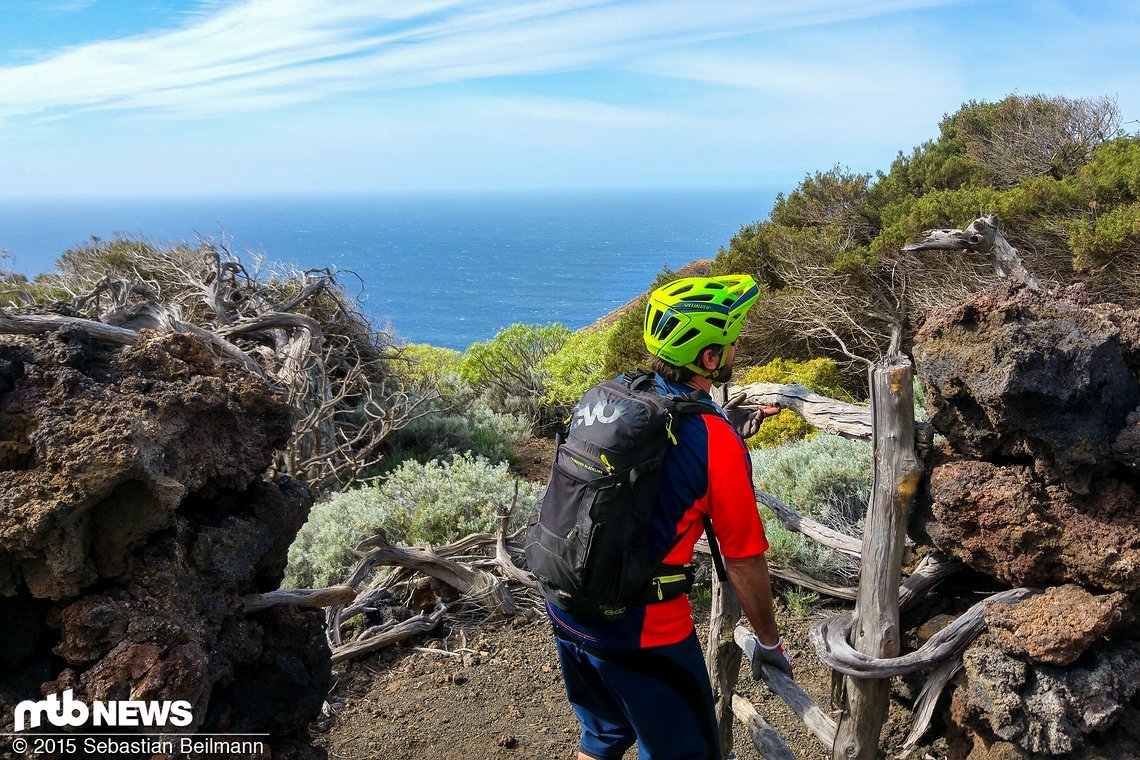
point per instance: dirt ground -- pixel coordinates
(499, 695)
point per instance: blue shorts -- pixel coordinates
(659, 697)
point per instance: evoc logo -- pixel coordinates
(588, 415)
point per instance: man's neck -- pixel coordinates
(700, 383)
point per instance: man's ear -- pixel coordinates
(708, 358)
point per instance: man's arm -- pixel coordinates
(753, 587)
(749, 578)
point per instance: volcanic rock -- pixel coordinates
(1005, 521)
(1056, 627)
(1046, 377)
(1048, 711)
(133, 516)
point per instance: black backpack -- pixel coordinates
(587, 538)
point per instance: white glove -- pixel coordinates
(771, 655)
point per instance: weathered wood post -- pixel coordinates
(722, 657)
(875, 630)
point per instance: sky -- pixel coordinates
(121, 98)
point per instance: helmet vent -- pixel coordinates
(670, 325)
(701, 297)
(689, 335)
(715, 286)
(682, 289)
(716, 322)
(653, 320)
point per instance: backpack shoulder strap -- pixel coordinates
(640, 379)
(714, 550)
(694, 402)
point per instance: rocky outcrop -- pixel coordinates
(1058, 626)
(133, 516)
(1045, 711)
(1038, 397)
(1046, 378)
(1038, 484)
(1005, 520)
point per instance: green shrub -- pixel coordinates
(432, 503)
(825, 477)
(476, 429)
(785, 427)
(510, 363)
(433, 366)
(800, 601)
(822, 376)
(577, 366)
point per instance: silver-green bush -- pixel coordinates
(824, 477)
(477, 429)
(431, 503)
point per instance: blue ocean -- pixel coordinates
(442, 269)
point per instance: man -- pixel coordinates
(642, 678)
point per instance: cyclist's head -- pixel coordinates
(688, 315)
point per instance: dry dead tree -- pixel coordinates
(781, 684)
(380, 636)
(982, 236)
(299, 597)
(476, 586)
(765, 738)
(830, 639)
(298, 329)
(821, 534)
(459, 566)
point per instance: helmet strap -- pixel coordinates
(711, 374)
(699, 370)
(719, 375)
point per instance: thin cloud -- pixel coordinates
(261, 54)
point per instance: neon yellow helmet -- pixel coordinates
(688, 315)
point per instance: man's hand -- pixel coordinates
(747, 420)
(771, 655)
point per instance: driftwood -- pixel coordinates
(381, 636)
(830, 639)
(816, 720)
(299, 597)
(982, 236)
(765, 738)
